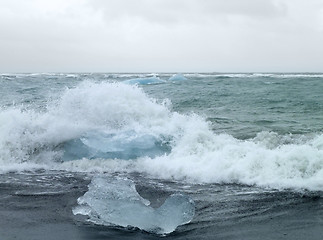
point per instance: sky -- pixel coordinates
(161, 36)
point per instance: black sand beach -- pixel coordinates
(28, 212)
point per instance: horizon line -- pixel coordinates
(163, 72)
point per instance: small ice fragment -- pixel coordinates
(177, 77)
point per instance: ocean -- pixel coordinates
(161, 156)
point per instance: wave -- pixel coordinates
(154, 80)
(131, 75)
(255, 75)
(113, 108)
(120, 122)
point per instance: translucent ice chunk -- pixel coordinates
(177, 77)
(144, 81)
(124, 145)
(116, 202)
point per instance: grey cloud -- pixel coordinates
(249, 8)
(161, 35)
(179, 11)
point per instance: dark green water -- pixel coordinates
(243, 105)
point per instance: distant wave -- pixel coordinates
(255, 75)
(164, 76)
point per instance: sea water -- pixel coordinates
(107, 153)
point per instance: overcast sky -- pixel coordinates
(161, 35)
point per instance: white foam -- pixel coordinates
(27, 135)
(225, 159)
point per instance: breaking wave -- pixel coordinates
(117, 127)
